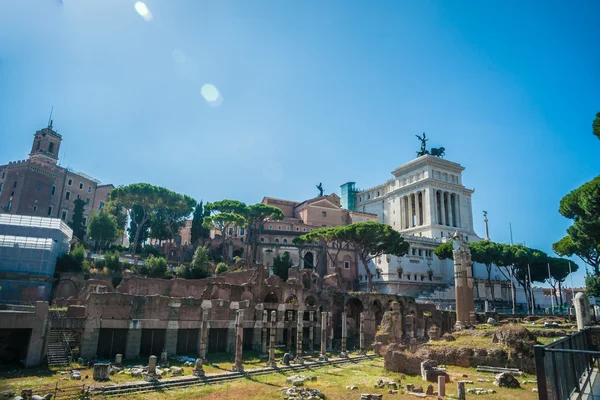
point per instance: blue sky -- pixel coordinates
(312, 91)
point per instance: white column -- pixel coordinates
(431, 217)
(443, 207)
(418, 209)
(460, 224)
(450, 209)
(401, 209)
(410, 211)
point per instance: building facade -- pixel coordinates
(29, 247)
(40, 187)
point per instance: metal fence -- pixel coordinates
(567, 368)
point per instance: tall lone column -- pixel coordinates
(271, 363)
(362, 334)
(311, 332)
(239, 341)
(264, 332)
(330, 332)
(460, 389)
(344, 353)
(204, 335)
(463, 281)
(441, 386)
(323, 356)
(299, 334)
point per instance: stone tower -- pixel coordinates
(46, 145)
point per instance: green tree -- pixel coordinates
(199, 267)
(112, 261)
(582, 205)
(255, 216)
(371, 240)
(559, 271)
(198, 231)
(282, 265)
(177, 208)
(444, 251)
(592, 285)
(102, 228)
(71, 262)
(487, 253)
(596, 126)
(120, 215)
(134, 223)
(225, 214)
(159, 227)
(221, 268)
(77, 221)
(156, 267)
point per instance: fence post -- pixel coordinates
(540, 370)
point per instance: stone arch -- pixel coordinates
(309, 260)
(292, 299)
(310, 301)
(377, 310)
(65, 288)
(353, 308)
(271, 297)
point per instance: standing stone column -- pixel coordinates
(444, 220)
(330, 332)
(150, 376)
(299, 334)
(362, 334)
(239, 341)
(461, 391)
(324, 317)
(271, 363)
(441, 386)
(264, 332)
(582, 311)
(204, 335)
(344, 353)
(311, 317)
(463, 280)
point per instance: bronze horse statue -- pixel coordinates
(438, 151)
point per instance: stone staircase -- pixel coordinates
(60, 343)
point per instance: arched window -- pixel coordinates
(284, 241)
(51, 148)
(279, 227)
(277, 240)
(262, 240)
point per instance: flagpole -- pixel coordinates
(552, 292)
(530, 290)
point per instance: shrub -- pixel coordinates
(156, 267)
(221, 268)
(112, 261)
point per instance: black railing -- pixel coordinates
(567, 368)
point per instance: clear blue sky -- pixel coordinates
(313, 91)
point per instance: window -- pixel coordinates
(284, 241)
(78, 196)
(50, 211)
(323, 213)
(230, 231)
(377, 194)
(0, 186)
(63, 216)
(89, 189)
(51, 147)
(303, 229)
(241, 231)
(270, 226)
(68, 195)
(279, 227)
(262, 240)
(101, 205)
(297, 229)
(15, 184)
(3, 174)
(70, 182)
(87, 200)
(80, 185)
(9, 205)
(34, 207)
(53, 190)
(84, 221)
(277, 241)
(368, 197)
(287, 228)
(346, 264)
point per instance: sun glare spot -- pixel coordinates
(142, 9)
(211, 95)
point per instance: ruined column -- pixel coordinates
(463, 280)
(324, 317)
(582, 311)
(311, 317)
(150, 376)
(461, 391)
(362, 334)
(299, 334)
(239, 341)
(330, 332)
(441, 385)
(264, 332)
(204, 335)
(271, 363)
(344, 353)
(198, 370)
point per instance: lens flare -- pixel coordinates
(211, 94)
(142, 9)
